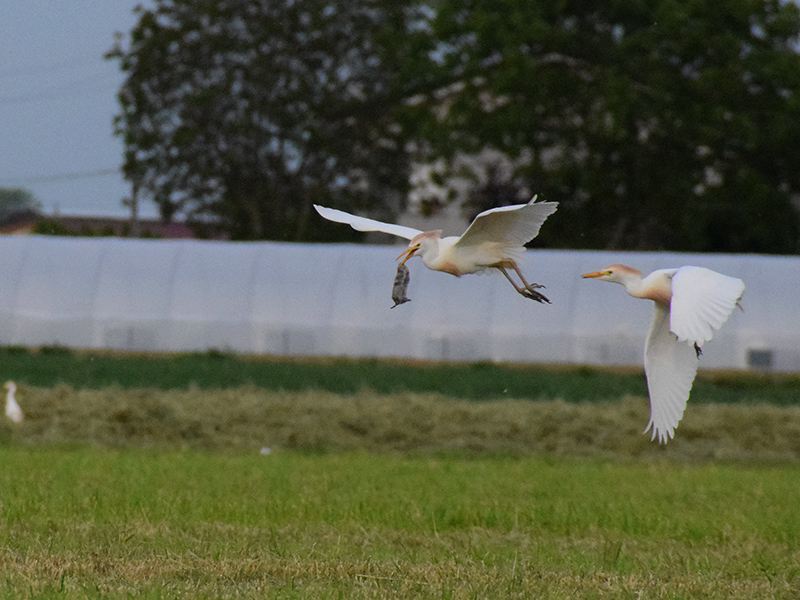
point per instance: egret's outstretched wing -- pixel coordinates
(702, 300)
(364, 224)
(514, 225)
(670, 367)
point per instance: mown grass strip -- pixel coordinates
(474, 381)
(250, 418)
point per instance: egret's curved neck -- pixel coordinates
(634, 287)
(657, 287)
(632, 282)
(429, 250)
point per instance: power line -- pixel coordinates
(59, 90)
(61, 176)
(78, 61)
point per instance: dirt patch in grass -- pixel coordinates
(250, 418)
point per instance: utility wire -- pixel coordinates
(59, 90)
(60, 176)
(78, 61)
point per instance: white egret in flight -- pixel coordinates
(690, 303)
(495, 239)
(13, 411)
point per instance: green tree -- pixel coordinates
(245, 112)
(16, 202)
(657, 125)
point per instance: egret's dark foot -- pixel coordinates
(534, 295)
(536, 286)
(698, 350)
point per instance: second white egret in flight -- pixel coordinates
(13, 411)
(495, 239)
(690, 303)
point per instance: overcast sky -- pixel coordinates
(57, 103)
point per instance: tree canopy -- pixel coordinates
(249, 111)
(656, 125)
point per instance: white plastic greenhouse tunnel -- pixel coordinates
(334, 300)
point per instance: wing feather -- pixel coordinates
(702, 300)
(670, 367)
(514, 225)
(365, 224)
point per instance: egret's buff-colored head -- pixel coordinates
(420, 243)
(615, 273)
(10, 386)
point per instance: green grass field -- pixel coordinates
(99, 523)
(144, 477)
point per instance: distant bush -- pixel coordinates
(50, 227)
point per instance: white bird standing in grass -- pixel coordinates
(690, 303)
(495, 239)
(13, 411)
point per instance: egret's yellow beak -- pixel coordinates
(595, 274)
(408, 253)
